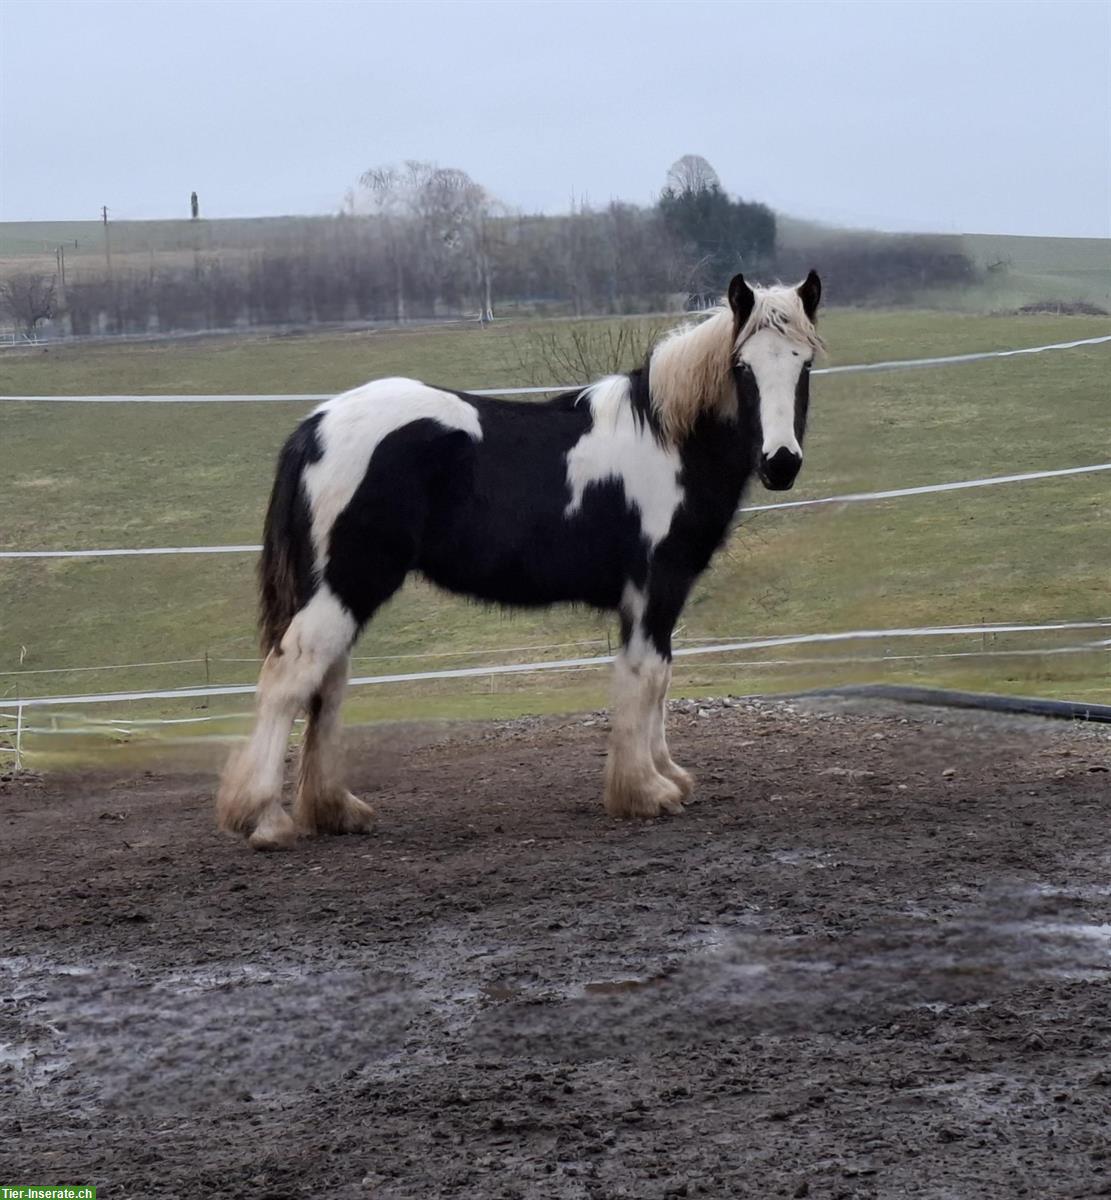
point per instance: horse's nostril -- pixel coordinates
(782, 460)
(778, 470)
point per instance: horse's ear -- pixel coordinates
(810, 292)
(741, 300)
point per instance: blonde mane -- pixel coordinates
(691, 370)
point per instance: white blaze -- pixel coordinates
(777, 364)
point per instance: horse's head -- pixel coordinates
(774, 343)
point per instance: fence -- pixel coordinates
(849, 498)
(20, 706)
(903, 364)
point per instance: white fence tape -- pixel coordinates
(308, 397)
(850, 498)
(568, 663)
(256, 661)
(284, 398)
(925, 489)
(124, 725)
(136, 553)
(948, 359)
(172, 662)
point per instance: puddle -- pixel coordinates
(499, 992)
(1095, 933)
(14, 1056)
(617, 987)
(1088, 891)
(816, 859)
(113, 1032)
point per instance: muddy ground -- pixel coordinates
(872, 960)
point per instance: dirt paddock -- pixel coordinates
(872, 960)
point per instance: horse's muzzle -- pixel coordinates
(778, 472)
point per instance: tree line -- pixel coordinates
(417, 241)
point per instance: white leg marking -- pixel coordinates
(661, 756)
(323, 804)
(249, 800)
(634, 786)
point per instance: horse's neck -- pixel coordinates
(718, 460)
(717, 455)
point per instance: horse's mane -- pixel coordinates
(691, 370)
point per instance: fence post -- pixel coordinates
(18, 737)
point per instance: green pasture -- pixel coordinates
(141, 475)
(31, 245)
(1018, 271)
(1014, 271)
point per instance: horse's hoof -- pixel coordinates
(357, 815)
(340, 812)
(682, 779)
(643, 799)
(274, 831)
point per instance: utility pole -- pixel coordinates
(107, 239)
(60, 259)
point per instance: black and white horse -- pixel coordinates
(615, 496)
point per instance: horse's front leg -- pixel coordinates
(661, 756)
(635, 784)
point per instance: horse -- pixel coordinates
(615, 495)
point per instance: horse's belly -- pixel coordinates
(538, 570)
(523, 555)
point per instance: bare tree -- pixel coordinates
(436, 221)
(456, 213)
(28, 298)
(384, 194)
(692, 173)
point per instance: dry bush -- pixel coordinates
(576, 353)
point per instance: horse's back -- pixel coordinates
(357, 420)
(473, 492)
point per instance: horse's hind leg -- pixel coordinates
(249, 800)
(323, 804)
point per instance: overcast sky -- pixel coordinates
(957, 117)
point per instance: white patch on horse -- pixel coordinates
(321, 632)
(353, 425)
(777, 366)
(619, 446)
(633, 606)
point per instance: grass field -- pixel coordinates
(1015, 271)
(1038, 271)
(30, 245)
(87, 475)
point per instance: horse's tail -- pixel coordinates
(286, 570)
